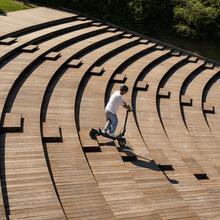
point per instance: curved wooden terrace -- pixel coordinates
(57, 72)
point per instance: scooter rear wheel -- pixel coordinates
(122, 142)
(93, 133)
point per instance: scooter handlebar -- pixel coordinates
(129, 109)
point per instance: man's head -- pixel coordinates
(123, 89)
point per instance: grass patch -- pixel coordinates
(12, 5)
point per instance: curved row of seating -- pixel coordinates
(211, 97)
(55, 80)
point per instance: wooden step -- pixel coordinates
(175, 53)
(142, 85)
(52, 132)
(208, 108)
(97, 24)
(81, 18)
(127, 35)
(8, 40)
(161, 159)
(53, 56)
(127, 153)
(143, 41)
(30, 48)
(193, 59)
(75, 63)
(186, 100)
(97, 71)
(160, 47)
(164, 93)
(13, 122)
(112, 29)
(209, 65)
(120, 78)
(90, 146)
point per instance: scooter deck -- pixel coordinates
(106, 135)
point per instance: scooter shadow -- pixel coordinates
(145, 162)
(138, 160)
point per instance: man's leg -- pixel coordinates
(114, 122)
(107, 128)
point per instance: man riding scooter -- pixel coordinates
(111, 109)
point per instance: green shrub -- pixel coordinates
(150, 14)
(197, 19)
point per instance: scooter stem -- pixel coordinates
(126, 118)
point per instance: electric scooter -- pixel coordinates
(120, 137)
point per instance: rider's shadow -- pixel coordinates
(143, 162)
(138, 160)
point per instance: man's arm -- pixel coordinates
(126, 106)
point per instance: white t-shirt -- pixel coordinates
(114, 102)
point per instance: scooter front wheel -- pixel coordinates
(93, 133)
(122, 142)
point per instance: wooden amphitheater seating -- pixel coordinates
(157, 154)
(186, 100)
(92, 57)
(171, 116)
(39, 74)
(40, 36)
(104, 75)
(11, 71)
(208, 108)
(100, 162)
(195, 120)
(13, 122)
(57, 70)
(152, 129)
(27, 20)
(67, 126)
(213, 100)
(128, 52)
(67, 159)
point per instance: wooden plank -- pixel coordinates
(208, 108)
(97, 24)
(186, 100)
(127, 35)
(164, 93)
(75, 63)
(143, 41)
(13, 122)
(193, 59)
(160, 47)
(53, 56)
(175, 53)
(52, 132)
(97, 71)
(112, 29)
(142, 85)
(120, 78)
(209, 65)
(8, 40)
(30, 48)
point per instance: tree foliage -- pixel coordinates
(151, 14)
(196, 19)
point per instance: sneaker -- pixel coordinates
(104, 131)
(111, 134)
